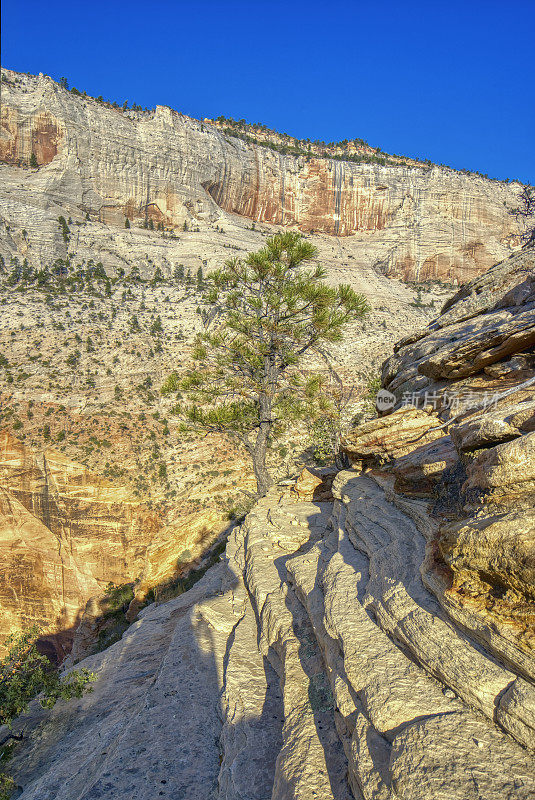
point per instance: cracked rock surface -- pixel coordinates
(311, 662)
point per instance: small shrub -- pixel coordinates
(24, 674)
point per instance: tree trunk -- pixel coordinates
(259, 452)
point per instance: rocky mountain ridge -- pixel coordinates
(379, 646)
(101, 165)
(348, 150)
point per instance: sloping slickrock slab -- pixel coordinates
(151, 726)
(478, 763)
(188, 706)
(109, 744)
(354, 702)
(311, 763)
(251, 707)
(393, 716)
(396, 549)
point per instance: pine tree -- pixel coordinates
(157, 277)
(156, 327)
(262, 315)
(34, 164)
(126, 222)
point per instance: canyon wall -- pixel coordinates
(66, 533)
(417, 223)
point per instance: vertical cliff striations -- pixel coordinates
(415, 222)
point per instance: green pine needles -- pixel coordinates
(261, 316)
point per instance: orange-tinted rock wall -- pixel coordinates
(65, 533)
(41, 135)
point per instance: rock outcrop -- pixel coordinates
(415, 222)
(474, 372)
(311, 663)
(377, 647)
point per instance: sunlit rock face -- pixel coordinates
(412, 222)
(463, 463)
(66, 533)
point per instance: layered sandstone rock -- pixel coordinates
(66, 533)
(410, 221)
(311, 663)
(473, 374)
(377, 647)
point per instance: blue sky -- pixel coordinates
(450, 81)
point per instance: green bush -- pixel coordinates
(24, 674)
(323, 439)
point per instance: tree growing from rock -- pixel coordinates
(526, 211)
(261, 316)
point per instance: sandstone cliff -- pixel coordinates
(66, 533)
(377, 647)
(415, 222)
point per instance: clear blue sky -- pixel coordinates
(450, 81)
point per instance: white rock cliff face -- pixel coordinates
(413, 222)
